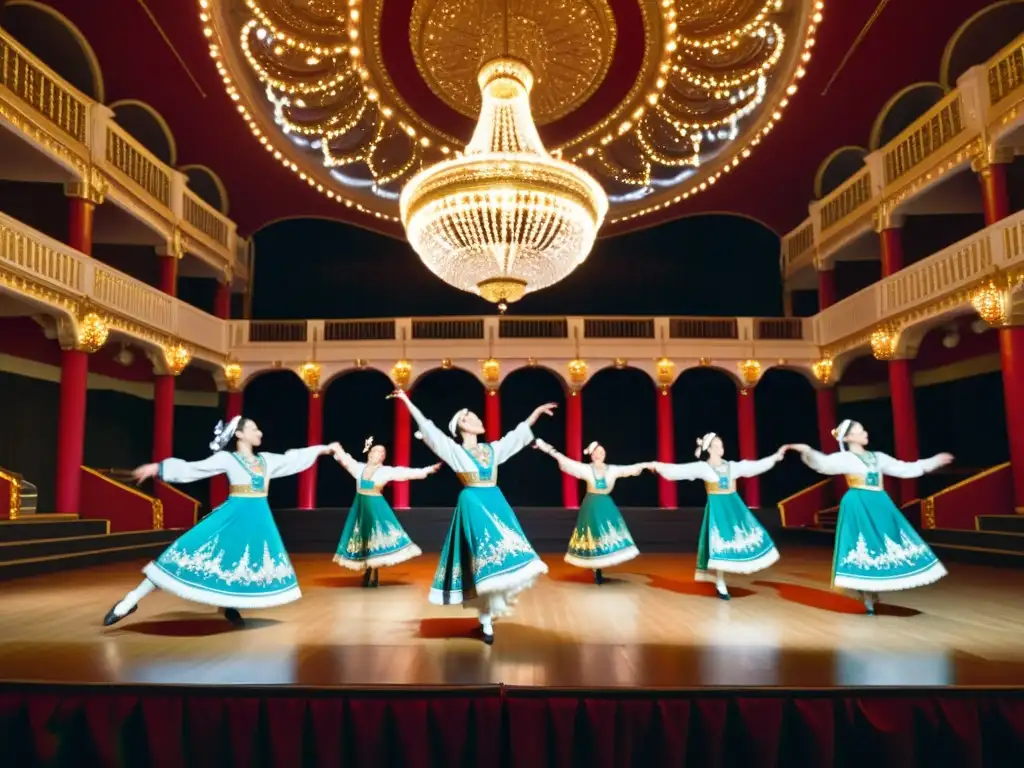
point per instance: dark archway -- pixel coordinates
(902, 110)
(148, 127)
(355, 407)
(786, 411)
(703, 400)
(439, 394)
(841, 165)
(533, 479)
(208, 186)
(980, 38)
(620, 412)
(278, 402)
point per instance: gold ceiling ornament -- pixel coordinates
(577, 373)
(505, 218)
(568, 45)
(401, 373)
(666, 372)
(491, 371)
(822, 370)
(885, 340)
(177, 357)
(750, 372)
(310, 375)
(233, 376)
(92, 333)
(993, 300)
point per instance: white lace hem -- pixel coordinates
(929, 575)
(407, 552)
(769, 558)
(508, 584)
(168, 583)
(604, 561)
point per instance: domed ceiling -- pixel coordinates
(658, 99)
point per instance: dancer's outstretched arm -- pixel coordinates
(520, 437)
(571, 467)
(447, 450)
(747, 468)
(823, 463)
(386, 475)
(630, 470)
(297, 460)
(694, 470)
(908, 469)
(179, 471)
(353, 467)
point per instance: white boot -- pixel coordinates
(129, 603)
(487, 627)
(723, 590)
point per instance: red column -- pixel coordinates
(492, 415)
(80, 217)
(169, 275)
(826, 402)
(1011, 344)
(163, 417)
(74, 374)
(826, 288)
(222, 301)
(748, 444)
(314, 436)
(402, 453)
(994, 194)
(904, 419)
(219, 484)
(573, 447)
(667, 498)
(892, 251)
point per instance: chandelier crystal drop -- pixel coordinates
(504, 218)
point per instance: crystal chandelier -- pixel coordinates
(504, 218)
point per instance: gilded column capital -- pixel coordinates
(92, 186)
(885, 217)
(176, 245)
(991, 155)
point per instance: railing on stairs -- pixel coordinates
(801, 509)
(180, 509)
(111, 495)
(957, 506)
(18, 497)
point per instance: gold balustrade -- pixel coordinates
(845, 200)
(133, 299)
(533, 328)
(39, 256)
(925, 138)
(1006, 73)
(359, 330)
(799, 242)
(427, 328)
(138, 165)
(205, 219)
(618, 328)
(703, 328)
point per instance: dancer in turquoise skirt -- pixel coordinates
(731, 538)
(877, 549)
(486, 560)
(601, 538)
(372, 536)
(233, 558)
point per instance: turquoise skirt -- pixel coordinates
(601, 538)
(731, 539)
(485, 554)
(232, 558)
(373, 537)
(877, 550)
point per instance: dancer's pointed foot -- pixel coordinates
(232, 615)
(869, 603)
(367, 577)
(487, 637)
(112, 618)
(376, 578)
(724, 595)
(598, 576)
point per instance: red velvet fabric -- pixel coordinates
(181, 511)
(988, 493)
(126, 508)
(507, 727)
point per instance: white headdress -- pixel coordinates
(368, 444)
(223, 433)
(590, 448)
(840, 432)
(703, 443)
(453, 425)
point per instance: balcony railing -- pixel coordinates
(83, 134)
(942, 140)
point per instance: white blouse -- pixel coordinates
(586, 472)
(243, 481)
(460, 459)
(862, 472)
(381, 476)
(720, 480)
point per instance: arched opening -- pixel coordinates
(703, 400)
(533, 479)
(439, 394)
(57, 42)
(979, 38)
(355, 407)
(863, 395)
(842, 164)
(903, 109)
(620, 412)
(208, 186)
(278, 402)
(786, 411)
(148, 127)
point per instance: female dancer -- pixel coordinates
(486, 560)
(372, 536)
(234, 557)
(601, 538)
(876, 549)
(731, 538)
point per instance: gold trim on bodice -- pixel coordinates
(714, 489)
(859, 483)
(598, 491)
(369, 492)
(245, 492)
(472, 480)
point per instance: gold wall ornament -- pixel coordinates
(750, 372)
(885, 341)
(401, 373)
(822, 370)
(505, 218)
(92, 333)
(666, 372)
(233, 377)
(577, 372)
(446, 364)
(177, 357)
(92, 186)
(993, 300)
(569, 44)
(621, 363)
(491, 371)
(310, 375)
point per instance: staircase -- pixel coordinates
(44, 543)
(25, 493)
(998, 540)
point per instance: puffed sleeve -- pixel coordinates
(386, 475)
(694, 470)
(512, 443)
(571, 467)
(826, 463)
(178, 471)
(748, 468)
(353, 467)
(906, 469)
(292, 462)
(446, 449)
(626, 470)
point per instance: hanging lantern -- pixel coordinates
(884, 341)
(822, 370)
(401, 373)
(750, 372)
(177, 358)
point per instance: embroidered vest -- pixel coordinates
(258, 485)
(872, 479)
(725, 483)
(485, 476)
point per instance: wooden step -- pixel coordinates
(1006, 523)
(34, 548)
(958, 553)
(1007, 541)
(34, 566)
(48, 526)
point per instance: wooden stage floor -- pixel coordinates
(651, 625)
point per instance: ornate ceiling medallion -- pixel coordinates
(567, 44)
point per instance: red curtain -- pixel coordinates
(506, 727)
